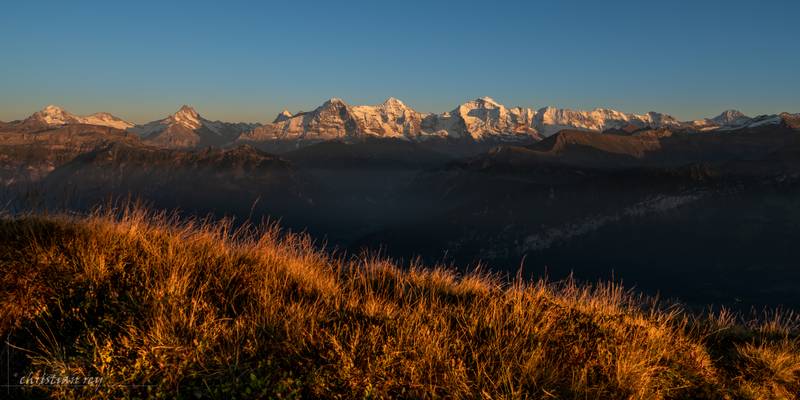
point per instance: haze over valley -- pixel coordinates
(551, 192)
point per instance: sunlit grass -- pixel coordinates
(158, 306)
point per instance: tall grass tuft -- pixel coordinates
(157, 306)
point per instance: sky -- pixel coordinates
(248, 60)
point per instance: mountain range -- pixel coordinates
(186, 129)
(479, 120)
(54, 116)
(653, 198)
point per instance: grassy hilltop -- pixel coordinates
(160, 307)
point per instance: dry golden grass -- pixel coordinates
(161, 307)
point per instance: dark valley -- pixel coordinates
(700, 211)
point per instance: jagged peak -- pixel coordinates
(393, 101)
(282, 116)
(187, 110)
(52, 115)
(729, 116)
(51, 108)
(333, 103)
(603, 110)
(479, 103)
(187, 116)
(487, 99)
(732, 112)
(483, 102)
(656, 114)
(334, 100)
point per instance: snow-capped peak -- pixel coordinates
(488, 100)
(105, 119)
(185, 109)
(479, 119)
(483, 118)
(187, 116)
(53, 116)
(282, 116)
(730, 117)
(53, 109)
(334, 100)
(550, 120)
(394, 102)
(727, 120)
(762, 120)
(480, 103)
(186, 128)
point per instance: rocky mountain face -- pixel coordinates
(478, 120)
(480, 123)
(730, 118)
(551, 120)
(187, 129)
(391, 119)
(332, 120)
(53, 117)
(482, 120)
(726, 120)
(282, 116)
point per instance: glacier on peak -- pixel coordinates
(282, 116)
(730, 117)
(186, 128)
(188, 117)
(478, 119)
(54, 116)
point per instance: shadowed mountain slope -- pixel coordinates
(27, 157)
(187, 129)
(238, 181)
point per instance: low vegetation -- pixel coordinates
(142, 305)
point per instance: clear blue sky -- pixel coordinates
(237, 60)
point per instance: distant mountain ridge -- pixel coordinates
(186, 129)
(54, 117)
(480, 120)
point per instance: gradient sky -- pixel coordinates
(246, 61)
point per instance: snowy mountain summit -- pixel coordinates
(392, 118)
(54, 116)
(186, 116)
(186, 128)
(282, 116)
(481, 119)
(730, 118)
